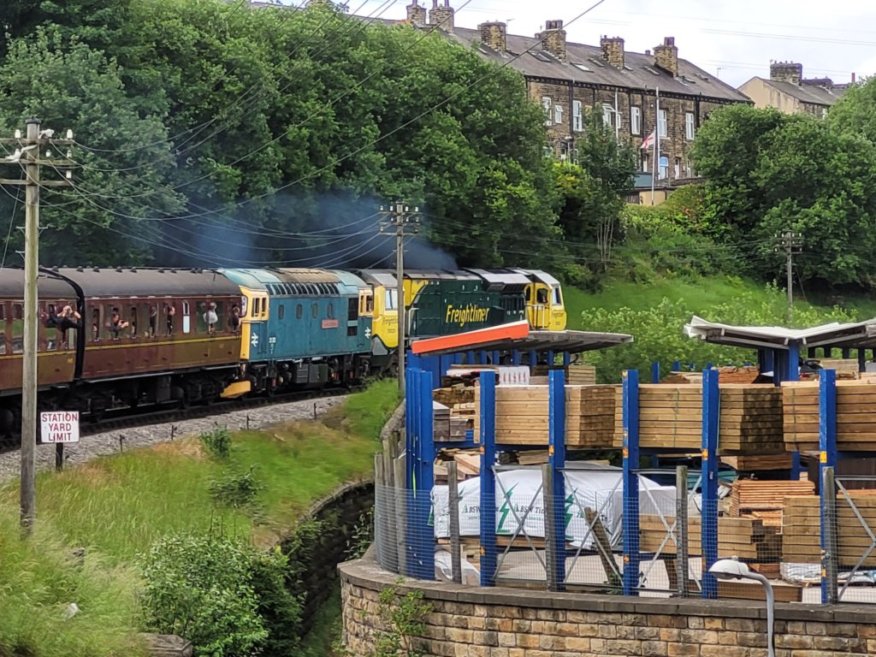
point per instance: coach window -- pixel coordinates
(299, 311)
(314, 310)
(281, 311)
(132, 321)
(95, 324)
(187, 318)
(2, 328)
(17, 328)
(50, 327)
(201, 317)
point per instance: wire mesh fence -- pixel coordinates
(578, 542)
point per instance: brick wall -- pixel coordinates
(473, 622)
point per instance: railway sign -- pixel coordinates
(59, 426)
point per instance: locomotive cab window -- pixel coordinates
(541, 296)
(352, 310)
(558, 296)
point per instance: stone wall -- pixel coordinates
(337, 516)
(499, 622)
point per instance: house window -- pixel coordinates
(577, 116)
(677, 168)
(558, 114)
(607, 111)
(645, 158)
(661, 124)
(635, 120)
(689, 128)
(546, 104)
(664, 167)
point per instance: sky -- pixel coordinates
(733, 39)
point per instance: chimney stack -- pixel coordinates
(442, 16)
(786, 72)
(416, 14)
(553, 39)
(613, 51)
(666, 56)
(494, 35)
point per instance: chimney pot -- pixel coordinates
(442, 17)
(416, 14)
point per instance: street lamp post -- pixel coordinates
(733, 569)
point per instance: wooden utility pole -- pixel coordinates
(792, 244)
(27, 156)
(403, 222)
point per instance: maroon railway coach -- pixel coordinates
(121, 338)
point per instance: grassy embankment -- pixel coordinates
(117, 506)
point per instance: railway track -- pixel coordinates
(116, 435)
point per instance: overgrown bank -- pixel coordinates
(182, 528)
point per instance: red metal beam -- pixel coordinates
(472, 339)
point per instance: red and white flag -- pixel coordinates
(648, 141)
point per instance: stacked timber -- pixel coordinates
(523, 414)
(747, 495)
(576, 375)
(801, 528)
(846, 368)
(746, 538)
(453, 412)
(670, 416)
(752, 462)
(747, 374)
(855, 415)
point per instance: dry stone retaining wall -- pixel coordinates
(501, 622)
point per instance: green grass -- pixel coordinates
(325, 630)
(118, 506)
(698, 294)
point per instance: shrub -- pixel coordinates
(237, 489)
(201, 588)
(217, 442)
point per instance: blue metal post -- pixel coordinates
(796, 465)
(550, 358)
(533, 358)
(827, 450)
(655, 372)
(793, 373)
(425, 557)
(488, 482)
(515, 357)
(631, 482)
(676, 366)
(567, 359)
(846, 352)
(412, 429)
(410, 424)
(709, 525)
(557, 460)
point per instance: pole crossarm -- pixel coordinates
(402, 221)
(31, 154)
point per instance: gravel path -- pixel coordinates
(108, 443)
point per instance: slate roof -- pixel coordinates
(585, 64)
(807, 93)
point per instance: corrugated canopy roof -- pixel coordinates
(857, 334)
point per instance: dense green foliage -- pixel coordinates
(769, 172)
(658, 329)
(272, 136)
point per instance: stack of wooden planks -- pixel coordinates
(747, 374)
(468, 463)
(453, 412)
(753, 462)
(855, 415)
(746, 538)
(576, 375)
(801, 529)
(522, 415)
(670, 415)
(846, 368)
(747, 495)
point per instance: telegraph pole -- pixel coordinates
(792, 244)
(400, 219)
(27, 155)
